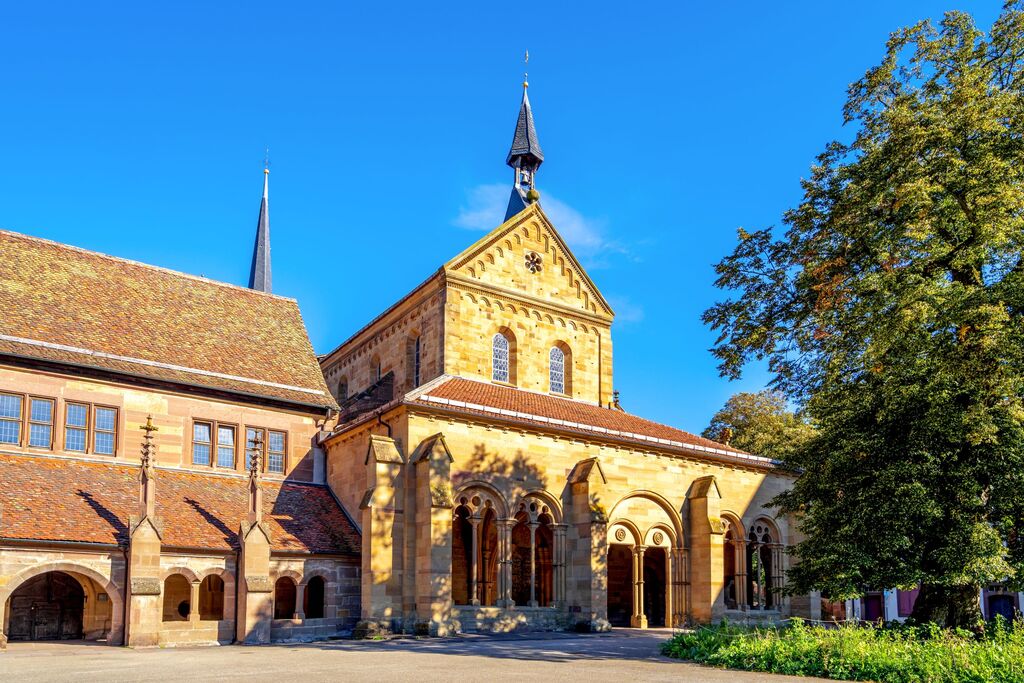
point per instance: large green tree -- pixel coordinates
(892, 309)
(760, 423)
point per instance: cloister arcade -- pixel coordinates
(506, 556)
(752, 564)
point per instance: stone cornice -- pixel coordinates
(462, 283)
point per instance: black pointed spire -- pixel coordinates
(259, 275)
(525, 157)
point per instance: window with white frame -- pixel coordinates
(40, 422)
(10, 419)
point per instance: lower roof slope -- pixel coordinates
(485, 398)
(60, 499)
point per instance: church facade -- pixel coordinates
(497, 481)
(177, 466)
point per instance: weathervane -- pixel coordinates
(266, 160)
(526, 76)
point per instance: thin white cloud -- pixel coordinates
(485, 210)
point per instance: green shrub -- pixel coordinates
(894, 652)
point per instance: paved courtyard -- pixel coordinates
(623, 656)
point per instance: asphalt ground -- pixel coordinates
(623, 656)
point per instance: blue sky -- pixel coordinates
(138, 129)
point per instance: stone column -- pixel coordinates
(558, 569)
(741, 573)
(638, 619)
(433, 542)
(474, 550)
(505, 527)
(587, 564)
(533, 563)
(300, 600)
(706, 551)
(193, 612)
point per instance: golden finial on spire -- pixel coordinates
(266, 161)
(526, 76)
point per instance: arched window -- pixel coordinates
(501, 364)
(343, 388)
(313, 598)
(556, 370)
(764, 577)
(284, 598)
(177, 598)
(375, 369)
(211, 598)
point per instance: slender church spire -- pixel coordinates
(259, 275)
(525, 156)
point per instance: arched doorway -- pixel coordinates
(313, 598)
(620, 584)
(50, 606)
(655, 564)
(284, 598)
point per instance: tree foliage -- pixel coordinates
(760, 423)
(892, 309)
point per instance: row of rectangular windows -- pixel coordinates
(221, 453)
(88, 428)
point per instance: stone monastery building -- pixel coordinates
(178, 466)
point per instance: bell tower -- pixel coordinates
(525, 157)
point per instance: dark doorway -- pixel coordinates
(313, 599)
(1000, 603)
(47, 607)
(654, 586)
(620, 584)
(874, 607)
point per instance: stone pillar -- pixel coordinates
(381, 521)
(144, 589)
(639, 619)
(533, 563)
(706, 567)
(741, 574)
(433, 515)
(474, 563)
(587, 568)
(300, 600)
(193, 612)
(558, 568)
(255, 608)
(505, 527)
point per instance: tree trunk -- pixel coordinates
(949, 606)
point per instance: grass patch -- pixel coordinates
(894, 652)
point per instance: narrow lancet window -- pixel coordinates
(499, 358)
(556, 362)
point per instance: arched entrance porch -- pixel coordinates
(60, 604)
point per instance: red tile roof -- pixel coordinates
(68, 305)
(494, 400)
(61, 499)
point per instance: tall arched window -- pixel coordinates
(500, 358)
(556, 370)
